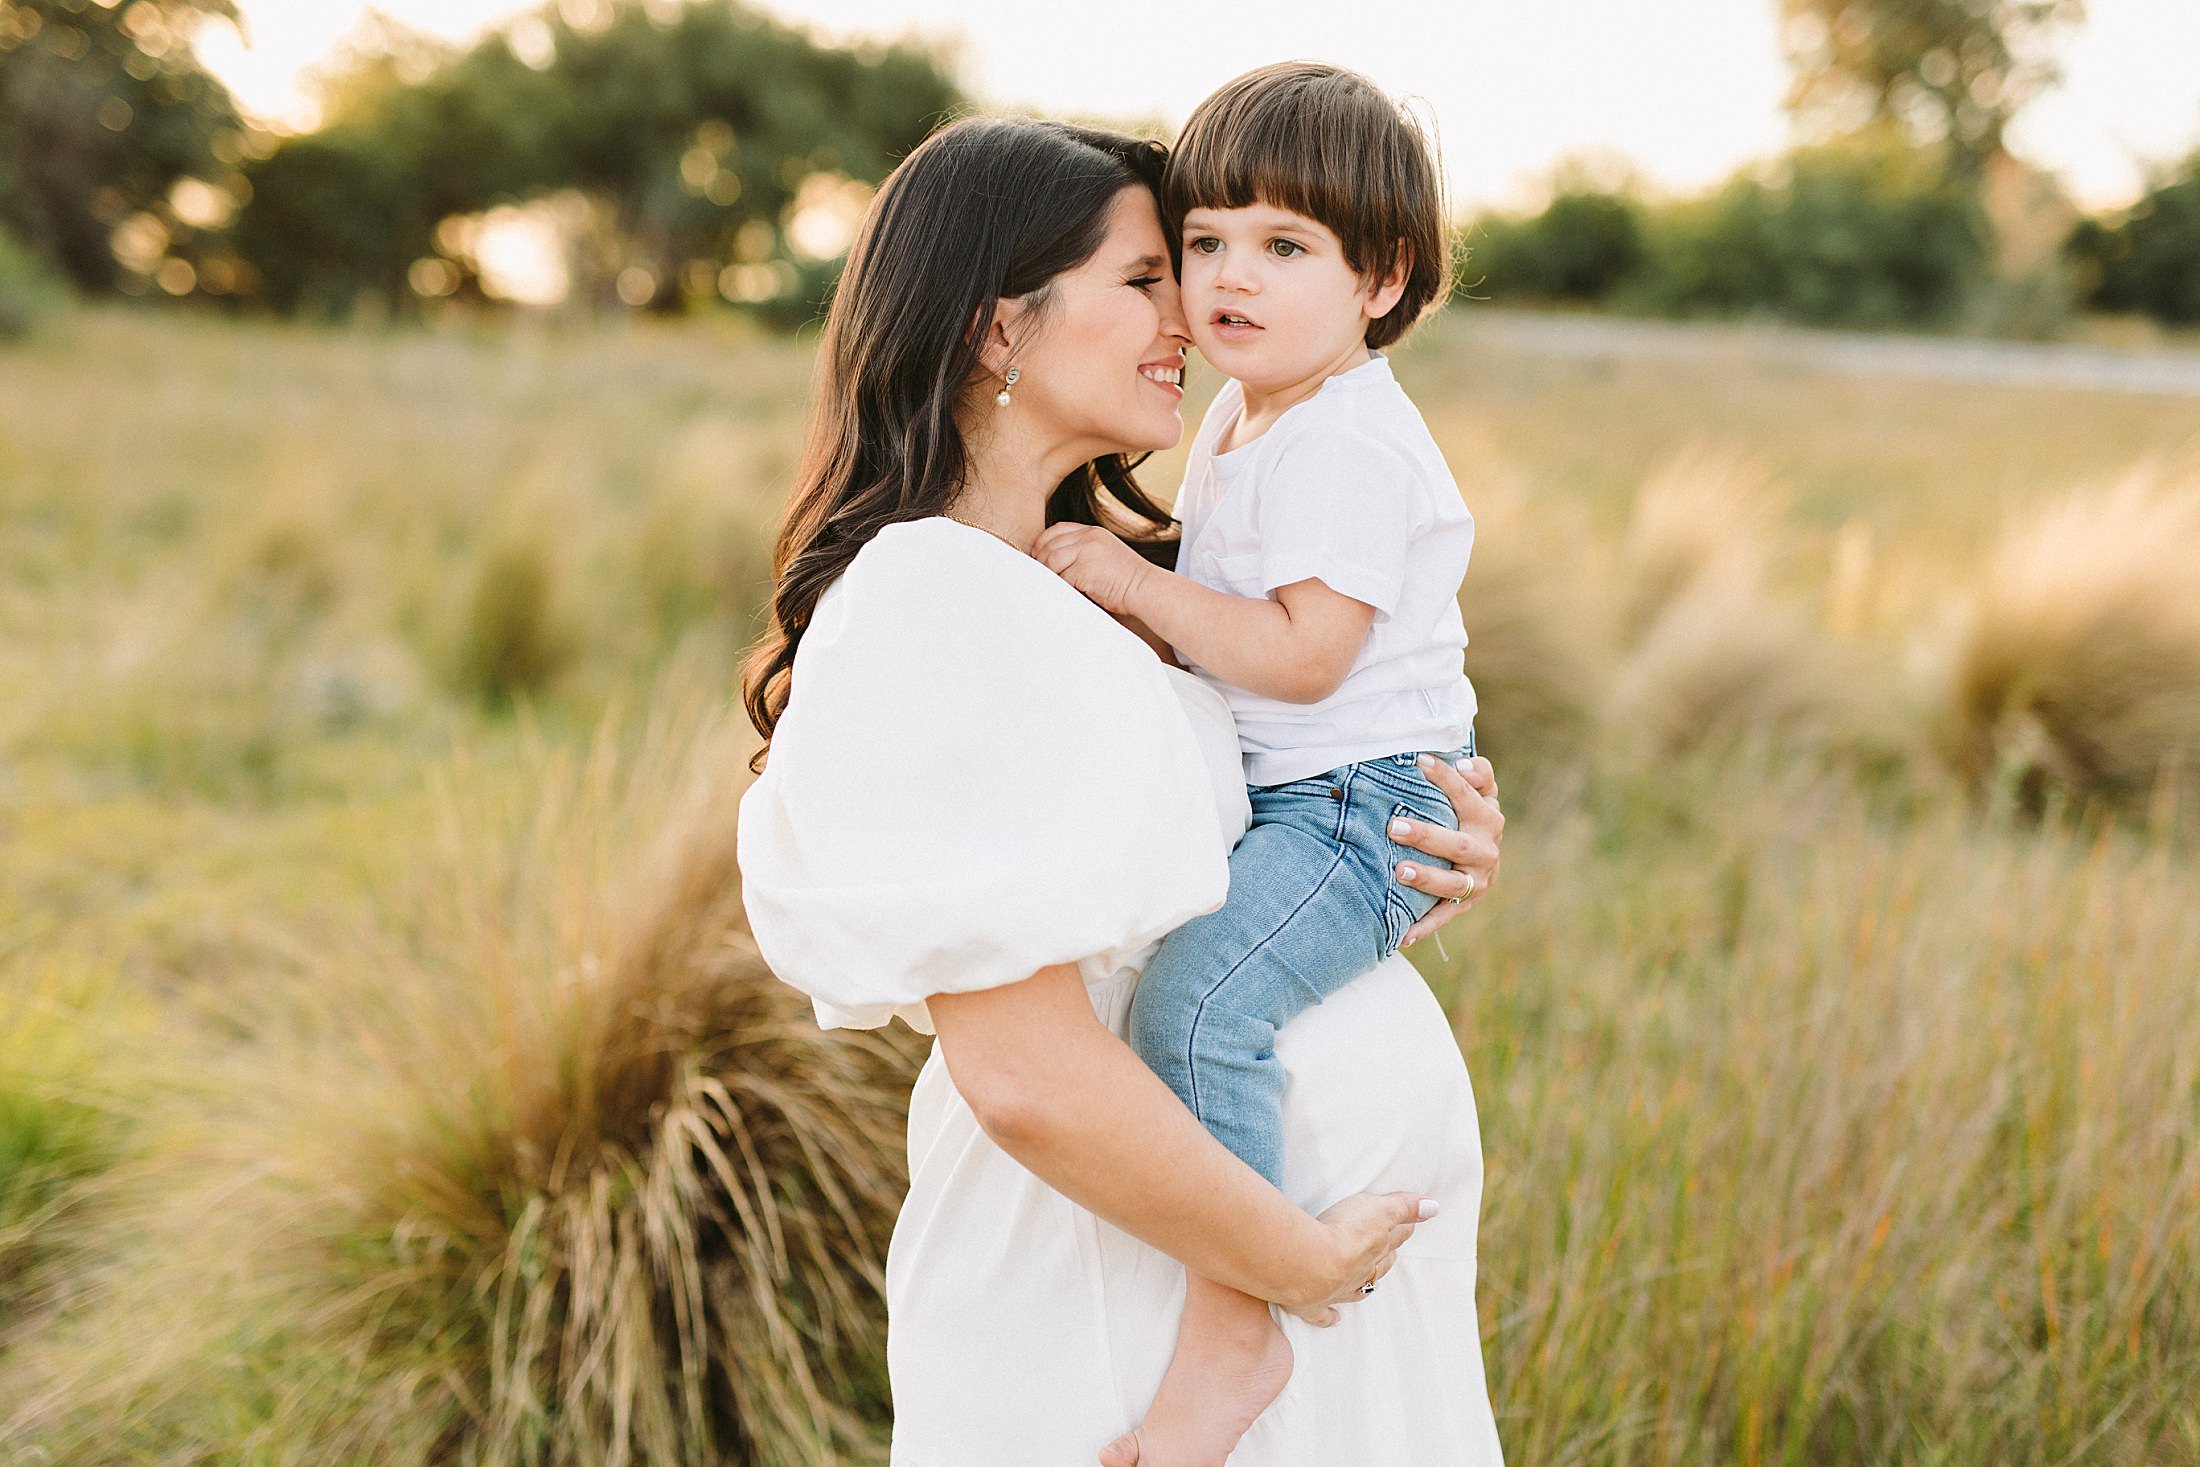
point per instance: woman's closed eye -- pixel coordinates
(1145, 282)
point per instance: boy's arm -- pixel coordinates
(1296, 648)
(1147, 635)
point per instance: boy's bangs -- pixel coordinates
(1263, 160)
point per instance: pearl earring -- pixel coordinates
(1006, 383)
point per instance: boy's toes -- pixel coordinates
(1122, 1452)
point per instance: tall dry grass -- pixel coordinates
(1539, 647)
(1833, 1115)
(552, 1170)
(2076, 666)
(1815, 1141)
(1712, 650)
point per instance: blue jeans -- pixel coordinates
(1312, 905)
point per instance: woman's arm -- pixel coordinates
(1059, 1092)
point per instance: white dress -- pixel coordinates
(979, 774)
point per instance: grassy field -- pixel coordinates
(384, 1077)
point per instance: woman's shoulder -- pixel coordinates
(912, 553)
(945, 585)
(944, 621)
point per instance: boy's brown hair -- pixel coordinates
(1324, 142)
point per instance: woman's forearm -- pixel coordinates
(1065, 1097)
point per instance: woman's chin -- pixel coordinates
(1158, 438)
(1167, 431)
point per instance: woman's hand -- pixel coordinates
(1471, 849)
(1367, 1229)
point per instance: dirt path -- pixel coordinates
(2025, 364)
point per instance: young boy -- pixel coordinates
(1316, 587)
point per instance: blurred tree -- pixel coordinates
(103, 109)
(1869, 230)
(1943, 70)
(719, 145)
(2147, 259)
(27, 289)
(1582, 247)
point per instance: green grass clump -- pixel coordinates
(29, 293)
(63, 1116)
(513, 641)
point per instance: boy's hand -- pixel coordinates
(1096, 563)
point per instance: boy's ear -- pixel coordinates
(997, 351)
(1383, 295)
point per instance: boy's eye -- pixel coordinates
(1285, 248)
(1205, 244)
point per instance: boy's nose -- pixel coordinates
(1233, 277)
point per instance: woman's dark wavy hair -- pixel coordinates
(983, 210)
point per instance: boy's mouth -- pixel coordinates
(1232, 325)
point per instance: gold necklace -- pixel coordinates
(996, 534)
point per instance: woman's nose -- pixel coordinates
(1170, 300)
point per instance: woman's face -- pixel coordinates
(1104, 371)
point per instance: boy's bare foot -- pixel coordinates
(1226, 1371)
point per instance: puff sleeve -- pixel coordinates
(978, 774)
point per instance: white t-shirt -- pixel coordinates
(1347, 487)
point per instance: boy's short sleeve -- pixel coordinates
(1342, 506)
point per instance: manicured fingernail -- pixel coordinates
(1407, 873)
(1426, 761)
(1400, 827)
(1464, 765)
(1429, 1208)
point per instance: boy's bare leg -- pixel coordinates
(1231, 1361)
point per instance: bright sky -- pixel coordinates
(1685, 88)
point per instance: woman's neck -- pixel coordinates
(1009, 480)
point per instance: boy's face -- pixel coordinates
(1270, 297)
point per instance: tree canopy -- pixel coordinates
(103, 109)
(691, 132)
(2148, 258)
(1957, 70)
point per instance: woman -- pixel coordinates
(1006, 334)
